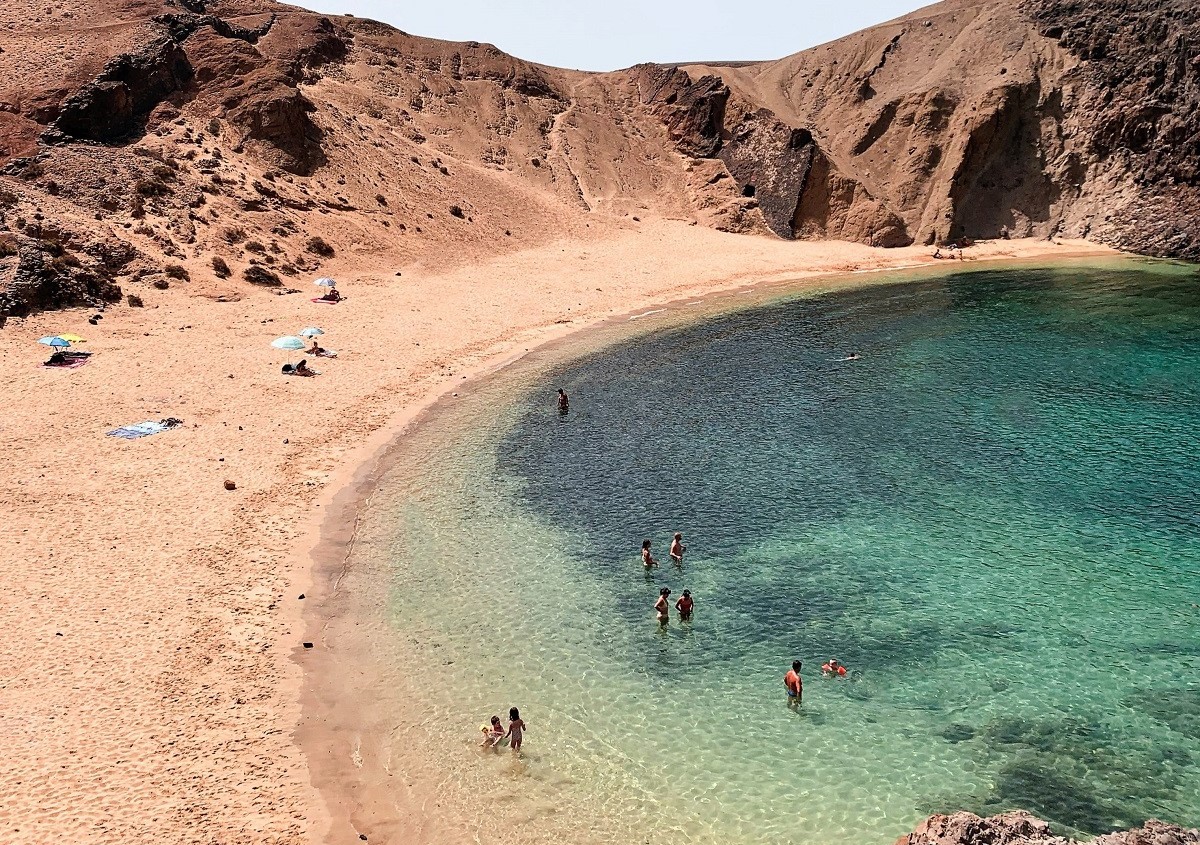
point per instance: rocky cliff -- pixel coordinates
(229, 133)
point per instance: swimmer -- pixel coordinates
(661, 607)
(794, 684)
(564, 404)
(684, 606)
(833, 669)
(516, 727)
(853, 356)
(677, 548)
(492, 733)
(647, 559)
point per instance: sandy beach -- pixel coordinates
(153, 662)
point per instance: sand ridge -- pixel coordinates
(152, 618)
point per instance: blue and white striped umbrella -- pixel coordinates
(325, 282)
(56, 342)
(288, 342)
(311, 331)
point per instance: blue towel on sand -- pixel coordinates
(133, 432)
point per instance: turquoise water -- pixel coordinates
(991, 517)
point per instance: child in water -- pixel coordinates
(684, 606)
(493, 733)
(677, 548)
(516, 727)
(647, 560)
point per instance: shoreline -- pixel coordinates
(154, 663)
(330, 538)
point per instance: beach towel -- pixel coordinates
(328, 353)
(302, 375)
(73, 365)
(133, 432)
(321, 301)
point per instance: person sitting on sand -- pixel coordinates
(516, 727)
(564, 404)
(937, 252)
(794, 684)
(302, 369)
(647, 560)
(332, 295)
(677, 548)
(684, 606)
(316, 348)
(58, 359)
(493, 733)
(833, 669)
(661, 607)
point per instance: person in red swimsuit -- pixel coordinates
(794, 684)
(684, 606)
(833, 669)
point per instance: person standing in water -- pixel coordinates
(661, 607)
(684, 606)
(794, 684)
(516, 727)
(677, 549)
(647, 559)
(564, 404)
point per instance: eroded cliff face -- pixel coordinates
(187, 129)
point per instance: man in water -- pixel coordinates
(794, 684)
(564, 404)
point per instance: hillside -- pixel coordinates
(146, 143)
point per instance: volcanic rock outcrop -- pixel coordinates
(196, 130)
(1019, 828)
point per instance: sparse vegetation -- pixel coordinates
(254, 246)
(317, 246)
(456, 211)
(221, 267)
(261, 276)
(177, 271)
(7, 198)
(234, 234)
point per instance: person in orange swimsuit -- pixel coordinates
(794, 684)
(833, 669)
(684, 606)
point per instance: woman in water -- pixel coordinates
(647, 560)
(662, 607)
(516, 727)
(677, 549)
(684, 606)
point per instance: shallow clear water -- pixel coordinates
(992, 517)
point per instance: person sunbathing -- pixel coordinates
(58, 359)
(316, 349)
(302, 369)
(332, 295)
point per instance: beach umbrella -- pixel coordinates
(288, 342)
(311, 331)
(325, 282)
(73, 338)
(56, 341)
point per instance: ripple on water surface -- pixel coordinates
(991, 516)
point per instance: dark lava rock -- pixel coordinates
(114, 106)
(693, 111)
